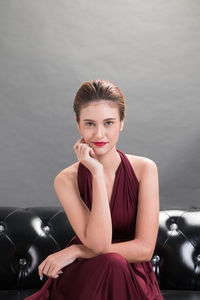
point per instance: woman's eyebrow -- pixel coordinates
(103, 120)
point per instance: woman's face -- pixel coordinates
(100, 122)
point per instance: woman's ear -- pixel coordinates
(78, 126)
(75, 119)
(122, 125)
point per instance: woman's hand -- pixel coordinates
(53, 264)
(86, 156)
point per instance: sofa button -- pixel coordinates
(198, 257)
(155, 259)
(23, 261)
(46, 228)
(2, 228)
(173, 226)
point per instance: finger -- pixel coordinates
(92, 153)
(80, 149)
(52, 268)
(40, 268)
(88, 150)
(83, 150)
(46, 269)
(78, 145)
(80, 141)
(53, 271)
(83, 141)
(56, 275)
(77, 142)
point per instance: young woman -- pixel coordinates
(111, 200)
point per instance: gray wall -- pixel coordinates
(150, 49)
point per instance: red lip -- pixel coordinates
(99, 143)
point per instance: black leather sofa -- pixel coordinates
(29, 235)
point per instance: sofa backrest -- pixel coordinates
(29, 235)
(176, 259)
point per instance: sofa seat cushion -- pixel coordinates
(180, 294)
(16, 294)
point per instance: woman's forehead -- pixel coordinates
(99, 112)
(103, 104)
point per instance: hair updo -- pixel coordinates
(97, 90)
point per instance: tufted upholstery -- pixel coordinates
(29, 235)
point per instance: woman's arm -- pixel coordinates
(141, 248)
(99, 228)
(132, 251)
(83, 251)
(94, 227)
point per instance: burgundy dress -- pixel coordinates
(107, 276)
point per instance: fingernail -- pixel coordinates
(41, 278)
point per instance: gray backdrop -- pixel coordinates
(150, 49)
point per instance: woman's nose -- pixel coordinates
(99, 132)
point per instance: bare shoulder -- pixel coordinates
(69, 172)
(139, 163)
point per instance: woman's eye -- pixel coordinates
(93, 123)
(88, 123)
(110, 122)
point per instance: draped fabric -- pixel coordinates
(107, 276)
